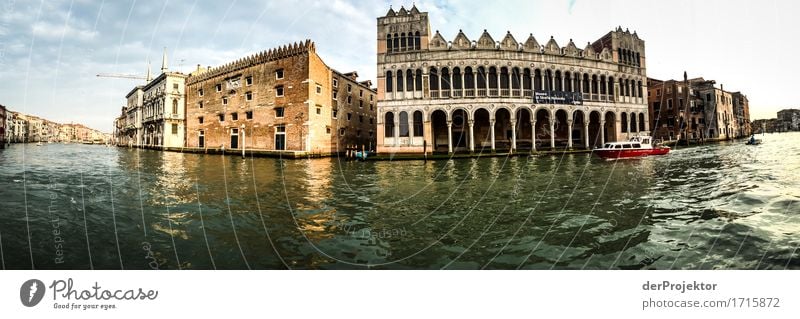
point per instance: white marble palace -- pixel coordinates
(436, 95)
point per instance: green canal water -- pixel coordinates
(717, 206)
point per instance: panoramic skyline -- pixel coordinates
(50, 53)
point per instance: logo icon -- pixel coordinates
(31, 292)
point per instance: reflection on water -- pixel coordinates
(709, 207)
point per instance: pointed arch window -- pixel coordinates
(389, 81)
(388, 124)
(418, 123)
(403, 124)
(417, 45)
(389, 42)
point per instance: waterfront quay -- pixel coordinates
(721, 205)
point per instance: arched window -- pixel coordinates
(602, 84)
(469, 78)
(396, 45)
(537, 80)
(548, 80)
(567, 82)
(638, 60)
(641, 122)
(633, 122)
(594, 84)
(417, 45)
(526, 79)
(403, 42)
(409, 41)
(457, 85)
(504, 78)
(624, 119)
(434, 79)
(446, 79)
(389, 42)
(400, 81)
(585, 83)
(640, 89)
(492, 77)
(515, 78)
(389, 81)
(175, 106)
(557, 83)
(610, 86)
(481, 78)
(409, 80)
(418, 123)
(418, 81)
(388, 124)
(403, 124)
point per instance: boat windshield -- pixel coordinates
(607, 146)
(617, 146)
(626, 146)
(637, 145)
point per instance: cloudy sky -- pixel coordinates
(50, 51)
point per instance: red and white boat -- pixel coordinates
(637, 146)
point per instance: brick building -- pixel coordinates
(283, 99)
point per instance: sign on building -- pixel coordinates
(557, 97)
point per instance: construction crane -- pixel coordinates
(122, 76)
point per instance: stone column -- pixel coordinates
(471, 136)
(586, 134)
(427, 135)
(533, 135)
(491, 131)
(514, 132)
(602, 132)
(552, 134)
(450, 137)
(396, 132)
(463, 84)
(569, 134)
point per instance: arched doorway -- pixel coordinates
(524, 129)
(502, 129)
(578, 129)
(561, 128)
(460, 130)
(595, 138)
(542, 128)
(481, 130)
(611, 127)
(439, 128)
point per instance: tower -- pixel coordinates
(403, 31)
(164, 61)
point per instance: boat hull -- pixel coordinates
(630, 153)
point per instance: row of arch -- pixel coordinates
(461, 130)
(629, 57)
(403, 42)
(514, 78)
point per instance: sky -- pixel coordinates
(51, 51)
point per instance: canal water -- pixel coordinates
(717, 206)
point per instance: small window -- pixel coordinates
(370, 97)
(361, 119)
(370, 120)
(361, 93)
(319, 110)
(358, 133)
(361, 104)
(200, 120)
(335, 83)
(249, 115)
(328, 129)
(218, 87)
(280, 129)
(200, 92)
(335, 94)
(279, 91)
(200, 104)
(248, 96)
(349, 99)
(334, 112)
(175, 86)
(278, 112)
(319, 89)
(341, 131)
(224, 101)
(279, 74)
(222, 117)
(248, 81)
(349, 88)
(370, 134)
(234, 116)
(349, 116)
(174, 129)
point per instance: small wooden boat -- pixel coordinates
(38, 143)
(637, 146)
(362, 155)
(753, 141)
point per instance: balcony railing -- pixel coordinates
(481, 92)
(493, 92)
(434, 94)
(457, 93)
(469, 93)
(504, 92)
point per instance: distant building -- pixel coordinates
(789, 120)
(164, 109)
(3, 126)
(695, 109)
(284, 99)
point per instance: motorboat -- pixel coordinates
(637, 146)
